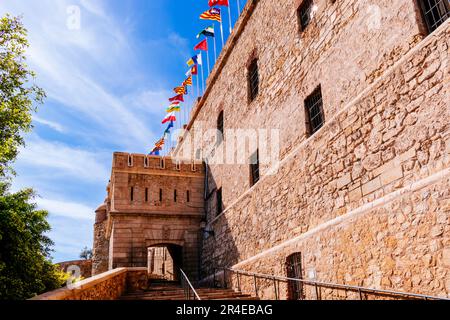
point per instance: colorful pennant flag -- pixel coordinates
(173, 109)
(160, 143)
(177, 98)
(188, 81)
(211, 14)
(203, 45)
(155, 152)
(169, 117)
(194, 70)
(192, 61)
(213, 3)
(180, 90)
(167, 131)
(208, 32)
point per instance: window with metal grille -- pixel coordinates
(253, 80)
(304, 14)
(220, 127)
(294, 271)
(314, 111)
(254, 168)
(435, 12)
(219, 201)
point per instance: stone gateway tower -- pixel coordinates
(151, 216)
(356, 98)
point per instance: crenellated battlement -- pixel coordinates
(143, 163)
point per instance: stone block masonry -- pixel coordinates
(151, 202)
(386, 108)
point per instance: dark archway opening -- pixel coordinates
(164, 262)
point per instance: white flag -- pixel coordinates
(199, 59)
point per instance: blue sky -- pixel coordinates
(107, 85)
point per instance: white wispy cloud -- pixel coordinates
(66, 209)
(63, 161)
(51, 124)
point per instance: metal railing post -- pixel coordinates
(239, 281)
(256, 285)
(275, 288)
(224, 279)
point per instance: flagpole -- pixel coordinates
(221, 29)
(203, 78)
(198, 87)
(229, 16)
(207, 59)
(239, 7)
(215, 49)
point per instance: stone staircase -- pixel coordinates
(174, 291)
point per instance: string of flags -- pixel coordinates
(195, 66)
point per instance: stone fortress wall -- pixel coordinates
(365, 199)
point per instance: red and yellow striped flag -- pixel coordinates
(188, 81)
(211, 14)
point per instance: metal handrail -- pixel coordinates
(318, 284)
(189, 287)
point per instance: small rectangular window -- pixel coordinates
(314, 111)
(220, 128)
(146, 194)
(254, 168)
(253, 80)
(132, 194)
(162, 163)
(219, 201)
(304, 14)
(435, 12)
(178, 165)
(130, 160)
(188, 196)
(160, 195)
(193, 167)
(175, 195)
(145, 162)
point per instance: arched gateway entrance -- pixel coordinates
(164, 261)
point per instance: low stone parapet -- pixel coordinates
(106, 286)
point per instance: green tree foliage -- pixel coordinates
(18, 98)
(25, 267)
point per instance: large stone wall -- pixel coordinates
(344, 50)
(394, 136)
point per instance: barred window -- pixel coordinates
(219, 201)
(253, 80)
(220, 127)
(435, 12)
(314, 111)
(304, 14)
(254, 168)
